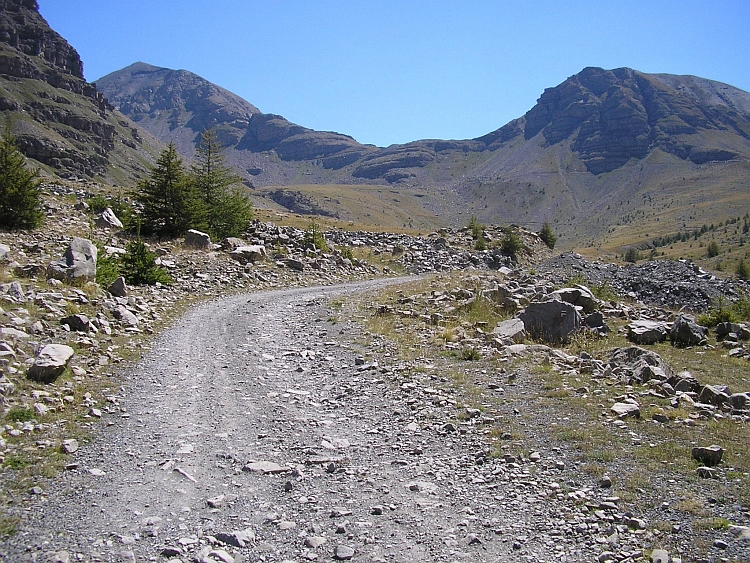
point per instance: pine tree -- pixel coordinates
(170, 203)
(547, 236)
(228, 211)
(743, 270)
(20, 196)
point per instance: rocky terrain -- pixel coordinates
(438, 419)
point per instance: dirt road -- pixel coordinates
(263, 428)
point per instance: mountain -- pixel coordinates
(60, 120)
(585, 158)
(177, 106)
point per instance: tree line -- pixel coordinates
(172, 199)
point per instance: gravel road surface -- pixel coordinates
(262, 428)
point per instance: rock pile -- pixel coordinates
(447, 250)
(676, 284)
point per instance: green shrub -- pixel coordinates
(20, 195)
(480, 244)
(19, 414)
(511, 245)
(547, 236)
(734, 312)
(107, 268)
(743, 270)
(314, 237)
(98, 204)
(632, 255)
(476, 228)
(347, 253)
(712, 250)
(470, 354)
(138, 266)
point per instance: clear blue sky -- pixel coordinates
(393, 71)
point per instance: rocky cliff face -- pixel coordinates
(613, 116)
(24, 29)
(59, 119)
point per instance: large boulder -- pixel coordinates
(232, 243)
(50, 363)
(708, 455)
(714, 394)
(118, 288)
(637, 365)
(77, 322)
(647, 332)
(78, 262)
(4, 250)
(552, 321)
(686, 332)
(108, 220)
(579, 295)
(512, 330)
(197, 239)
(252, 253)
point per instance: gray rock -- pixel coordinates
(706, 472)
(314, 542)
(686, 332)
(685, 382)
(709, 455)
(125, 316)
(659, 556)
(511, 329)
(714, 395)
(740, 533)
(596, 321)
(552, 321)
(647, 332)
(78, 262)
(77, 322)
(740, 401)
(108, 220)
(4, 250)
(343, 552)
(249, 254)
(14, 291)
(118, 287)
(197, 239)
(724, 329)
(265, 467)
(50, 363)
(231, 243)
(295, 264)
(579, 295)
(70, 446)
(624, 410)
(238, 538)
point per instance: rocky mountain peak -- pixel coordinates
(611, 116)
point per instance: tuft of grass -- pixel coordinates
(470, 354)
(723, 312)
(8, 526)
(19, 414)
(711, 524)
(16, 462)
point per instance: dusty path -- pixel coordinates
(358, 461)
